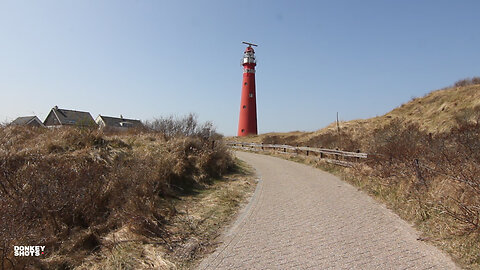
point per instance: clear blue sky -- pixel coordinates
(145, 59)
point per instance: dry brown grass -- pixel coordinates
(189, 234)
(67, 188)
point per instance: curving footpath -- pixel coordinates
(303, 218)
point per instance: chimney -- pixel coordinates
(55, 108)
(121, 116)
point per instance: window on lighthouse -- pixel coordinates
(251, 95)
(248, 58)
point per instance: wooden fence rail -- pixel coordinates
(288, 149)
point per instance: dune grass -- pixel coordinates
(70, 188)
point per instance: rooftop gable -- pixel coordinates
(27, 120)
(109, 121)
(69, 117)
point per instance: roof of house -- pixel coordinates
(25, 120)
(71, 117)
(119, 122)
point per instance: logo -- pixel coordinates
(27, 251)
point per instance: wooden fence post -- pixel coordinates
(416, 163)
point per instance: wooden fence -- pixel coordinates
(322, 153)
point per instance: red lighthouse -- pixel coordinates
(247, 124)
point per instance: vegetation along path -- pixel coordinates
(301, 218)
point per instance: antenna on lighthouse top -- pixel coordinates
(249, 44)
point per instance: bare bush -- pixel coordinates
(182, 126)
(405, 153)
(467, 81)
(476, 80)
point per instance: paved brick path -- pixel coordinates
(303, 218)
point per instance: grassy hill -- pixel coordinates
(436, 112)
